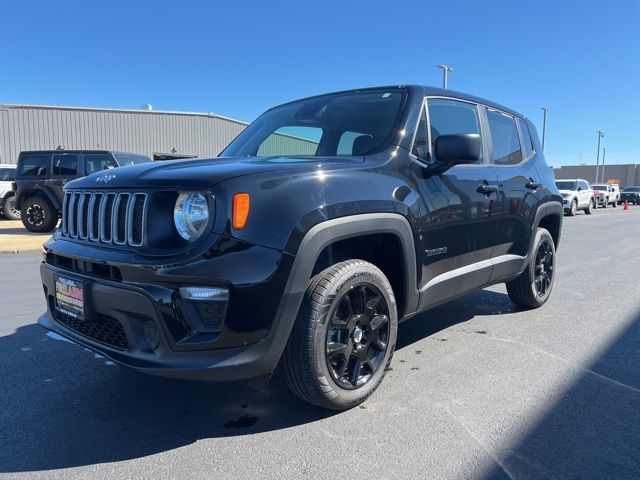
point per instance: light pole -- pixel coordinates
(600, 135)
(604, 150)
(544, 125)
(445, 74)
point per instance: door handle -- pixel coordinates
(486, 189)
(531, 185)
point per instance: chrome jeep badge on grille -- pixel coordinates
(107, 177)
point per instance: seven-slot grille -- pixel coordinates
(115, 218)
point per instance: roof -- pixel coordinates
(434, 91)
(64, 150)
(427, 91)
(118, 110)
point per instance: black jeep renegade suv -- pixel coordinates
(323, 225)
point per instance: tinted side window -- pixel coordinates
(526, 137)
(421, 143)
(98, 162)
(34, 164)
(65, 164)
(452, 116)
(504, 138)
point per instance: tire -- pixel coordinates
(615, 204)
(590, 208)
(525, 290)
(9, 208)
(572, 210)
(325, 337)
(605, 204)
(38, 215)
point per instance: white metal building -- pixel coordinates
(158, 134)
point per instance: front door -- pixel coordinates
(460, 205)
(64, 168)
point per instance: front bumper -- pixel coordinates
(120, 313)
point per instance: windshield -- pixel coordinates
(7, 174)
(566, 185)
(632, 189)
(125, 159)
(350, 123)
(599, 187)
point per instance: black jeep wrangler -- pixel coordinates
(42, 176)
(323, 225)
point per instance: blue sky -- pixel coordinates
(239, 58)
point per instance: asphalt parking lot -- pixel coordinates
(478, 389)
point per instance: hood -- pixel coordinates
(566, 192)
(202, 173)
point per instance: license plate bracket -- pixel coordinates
(70, 297)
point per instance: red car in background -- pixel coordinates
(596, 197)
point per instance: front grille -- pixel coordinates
(113, 218)
(104, 329)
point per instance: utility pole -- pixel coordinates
(544, 125)
(603, 152)
(445, 74)
(600, 135)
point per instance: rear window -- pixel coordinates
(504, 138)
(34, 164)
(125, 159)
(7, 174)
(632, 189)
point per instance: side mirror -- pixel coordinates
(579, 189)
(457, 149)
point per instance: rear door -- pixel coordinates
(513, 153)
(459, 231)
(585, 193)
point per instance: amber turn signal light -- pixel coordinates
(241, 205)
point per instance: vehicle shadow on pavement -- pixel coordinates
(593, 431)
(64, 406)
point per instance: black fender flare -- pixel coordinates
(270, 349)
(37, 191)
(545, 210)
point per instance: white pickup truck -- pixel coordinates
(610, 194)
(7, 195)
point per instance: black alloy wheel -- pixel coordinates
(357, 336)
(532, 288)
(38, 215)
(543, 268)
(35, 215)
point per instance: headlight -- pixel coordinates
(191, 215)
